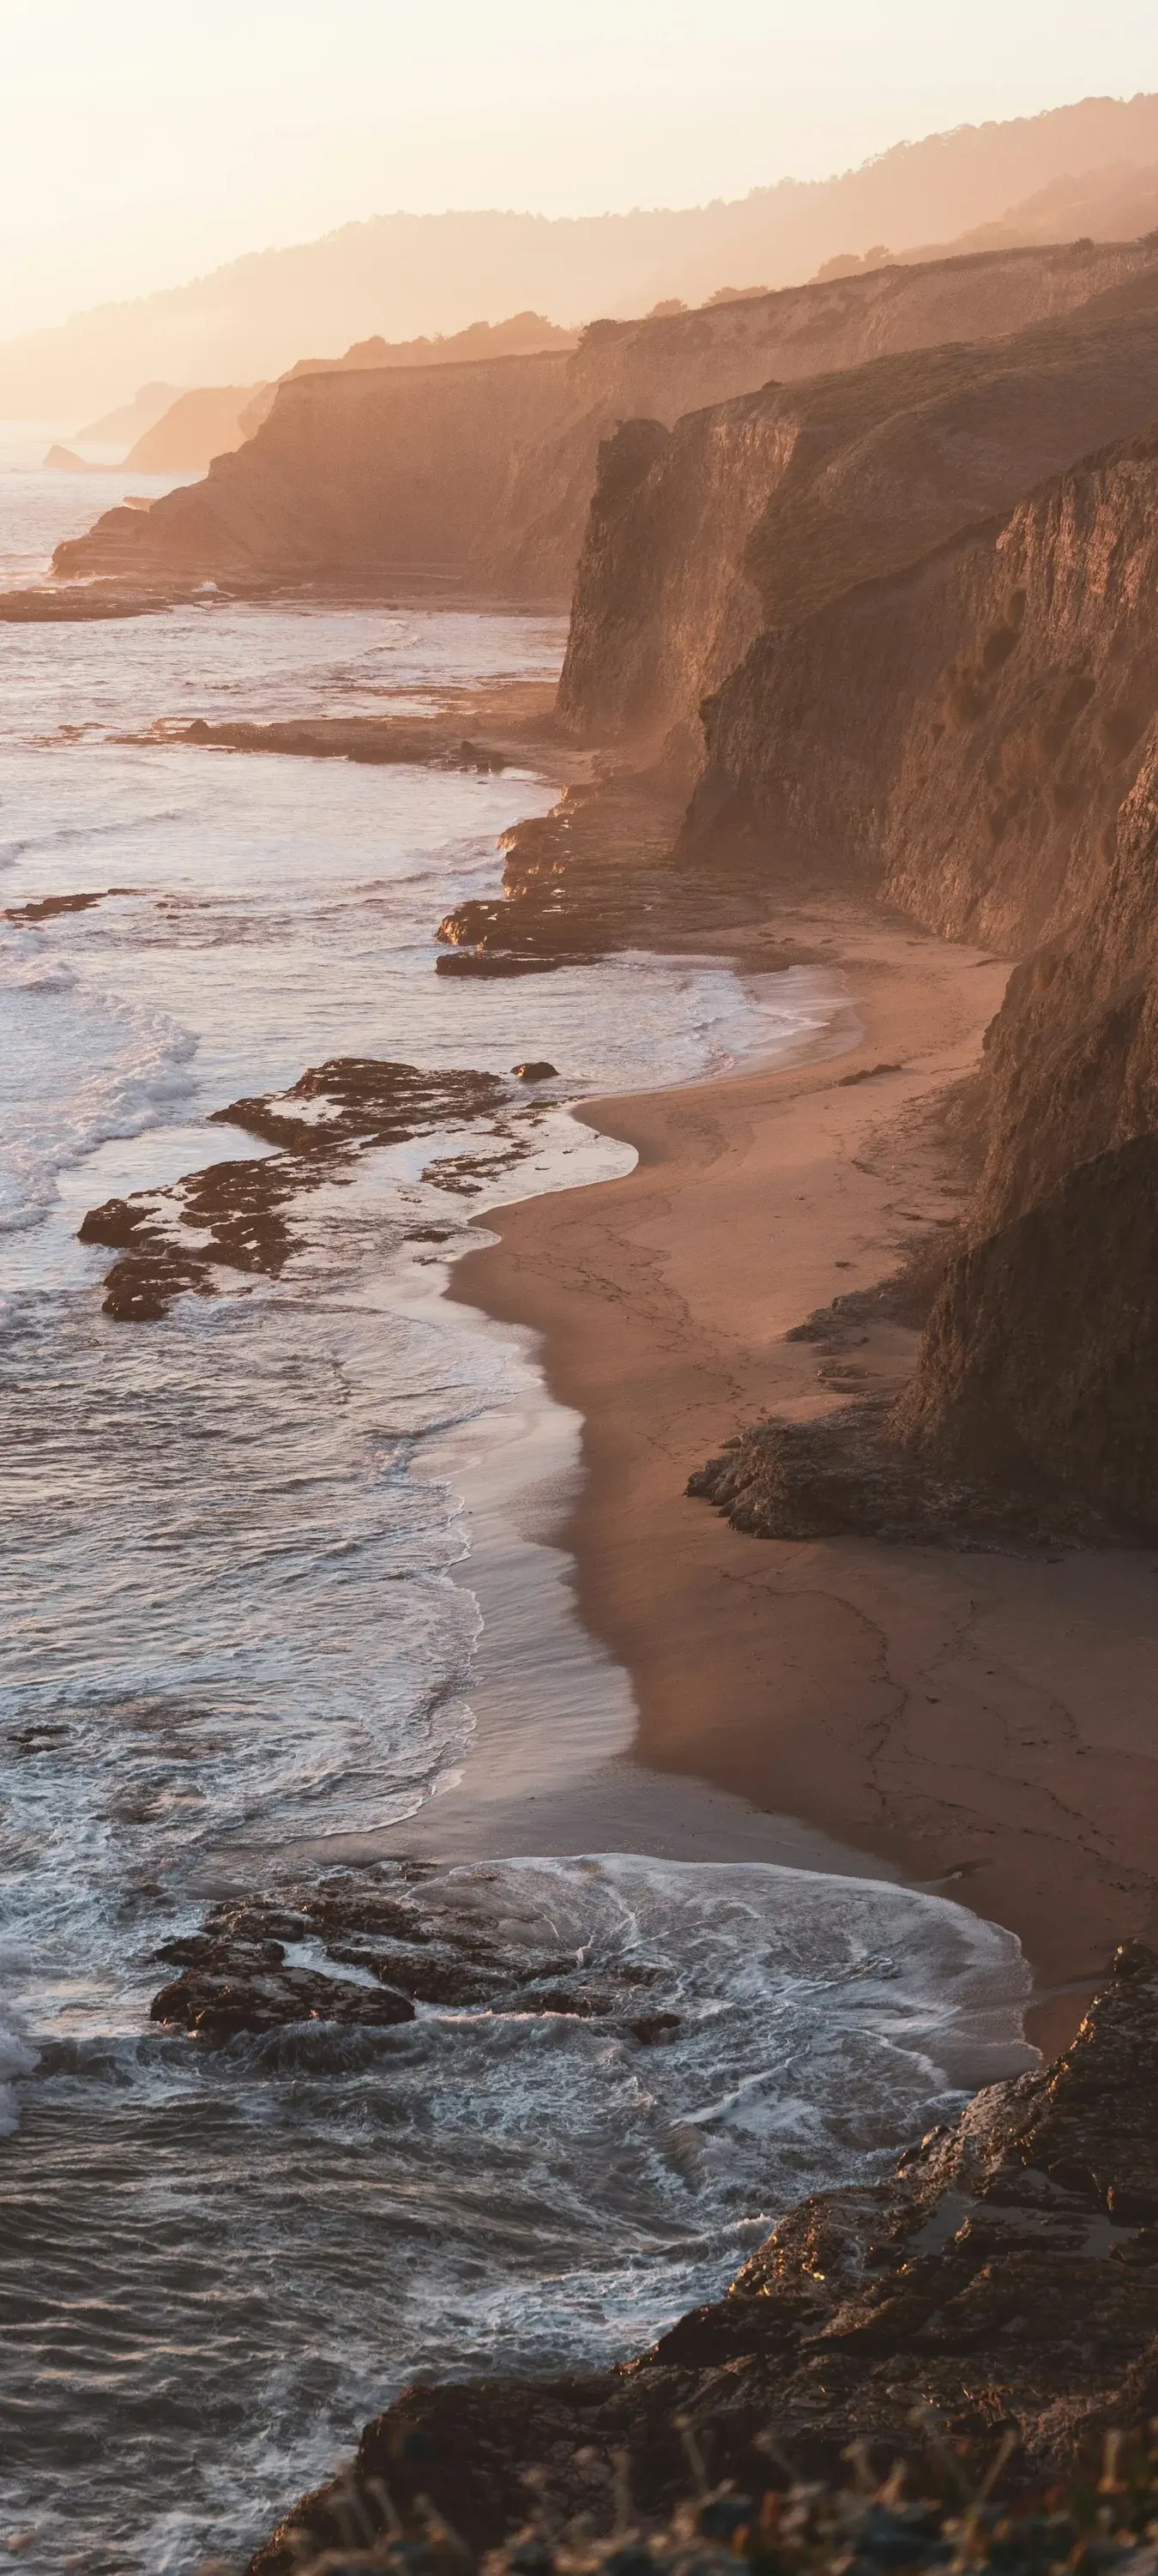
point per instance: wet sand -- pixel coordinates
(983, 1725)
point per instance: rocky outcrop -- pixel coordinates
(487, 469)
(365, 1947)
(1007, 2275)
(754, 516)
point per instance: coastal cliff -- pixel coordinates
(487, 468)
(207, 422)
(352, 475)
(756, 514)
(978, 739)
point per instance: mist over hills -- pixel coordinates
(402, 275)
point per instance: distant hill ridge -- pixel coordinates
(404, 274)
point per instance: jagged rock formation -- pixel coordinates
(1006, 2275)
(755, 515)
(487, 469)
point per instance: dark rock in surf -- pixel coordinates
(49, 905)
(218, 2009)
(654, 2030)
(538, 1071)
(360, 1100)
(472, 961)
(398, 1951)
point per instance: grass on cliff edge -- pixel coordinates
(1102, 2521)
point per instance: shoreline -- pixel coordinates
(965, 1723)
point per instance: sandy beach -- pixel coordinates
(976, 1723)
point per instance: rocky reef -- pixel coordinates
(236, 1215)
(1004, 2279)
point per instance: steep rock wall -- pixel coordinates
(510, 475)
(1040, 1359)
(964, 732)
(758, 513)
(979, 739)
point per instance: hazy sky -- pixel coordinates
(142, 141)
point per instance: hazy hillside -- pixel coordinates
(130, 420)
(1115, 204)
(404, 274)
(197, 426)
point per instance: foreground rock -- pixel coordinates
(1007, 2275)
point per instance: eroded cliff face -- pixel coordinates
(966, 732)
(756, 516)
(1040, 1358)
(490, 471)
(979, 739)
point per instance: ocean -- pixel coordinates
(241, 1630)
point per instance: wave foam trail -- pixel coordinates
(79, 1067)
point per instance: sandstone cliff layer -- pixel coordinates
(487, 469)
(353, 475)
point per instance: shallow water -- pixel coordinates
(241, 1625)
